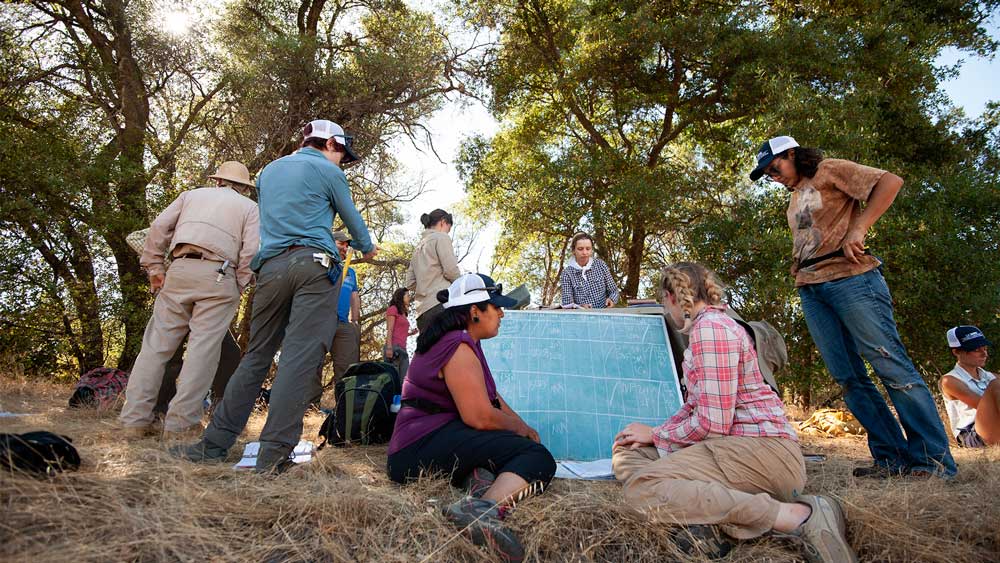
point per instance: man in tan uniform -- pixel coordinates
(212, 234)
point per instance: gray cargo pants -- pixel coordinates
(295, 308)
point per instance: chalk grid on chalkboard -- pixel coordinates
(580, 377)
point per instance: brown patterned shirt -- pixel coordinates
(821, 210)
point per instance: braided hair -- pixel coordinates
(691, 283)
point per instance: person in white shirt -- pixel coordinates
(971, 394)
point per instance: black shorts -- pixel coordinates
(456, 449)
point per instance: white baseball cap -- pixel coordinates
(325, 129)
(476, 288)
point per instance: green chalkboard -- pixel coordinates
(579, 377)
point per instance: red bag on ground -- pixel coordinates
(99, 388)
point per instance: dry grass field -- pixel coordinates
(131, 502)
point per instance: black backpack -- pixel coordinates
(39, 452)
(363, 412)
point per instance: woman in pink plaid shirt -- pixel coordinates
(729, 456)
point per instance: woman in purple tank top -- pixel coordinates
(454, 422)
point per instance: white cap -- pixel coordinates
(325, 129)
(781, 144)
(469, 288)
(476, 288)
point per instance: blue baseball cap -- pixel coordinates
(967, 338)
(768, 150)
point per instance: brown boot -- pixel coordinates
(192, 432)
(138, 432)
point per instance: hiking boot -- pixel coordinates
(823, 533)
(927, 474)
(479, 520)
(876, 471)
(478, 482)
(199, 452)
(701, 541)
(275, 469)
(138, 432)
(192, 432)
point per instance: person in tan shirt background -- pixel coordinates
(433, 266)
(212, 235)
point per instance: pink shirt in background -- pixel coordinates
(401, 328)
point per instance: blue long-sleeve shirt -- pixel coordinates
(299, 195)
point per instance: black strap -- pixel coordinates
(423, 405)
(839, 253)
(191, 255)
(433, 408)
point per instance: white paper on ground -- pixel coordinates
(592, 470)
(301, 454)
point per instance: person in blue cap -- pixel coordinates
(847, 305)
(971, 394)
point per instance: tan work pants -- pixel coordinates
(734, 481)
(191, 300)
(346, 348)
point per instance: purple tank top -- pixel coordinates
(422, 383)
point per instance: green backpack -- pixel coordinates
(363, 414)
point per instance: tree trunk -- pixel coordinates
(633, 255)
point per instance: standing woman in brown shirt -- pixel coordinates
(433, 266)
(848, 307)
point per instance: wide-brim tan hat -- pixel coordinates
(234, 172)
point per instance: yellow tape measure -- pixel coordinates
(347, 264)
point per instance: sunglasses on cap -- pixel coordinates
(498, 288)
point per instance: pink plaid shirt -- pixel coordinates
(727, 395)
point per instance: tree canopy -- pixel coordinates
(635, 120)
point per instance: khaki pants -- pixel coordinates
(190, 300)
(346, 348)
(734, 481)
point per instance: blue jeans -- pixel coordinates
(850, 319)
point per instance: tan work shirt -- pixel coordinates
(432, 268)
(218, 221)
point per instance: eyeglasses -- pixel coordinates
(772, 171)
(498, 288)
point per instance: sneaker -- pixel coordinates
(199, 452)
(823, 533)
(876, 471)
(479, 520)
(478, 482)
(701, 541)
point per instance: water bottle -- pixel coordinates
(396, 403)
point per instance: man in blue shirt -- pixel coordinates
(295, 305)
(346, 347)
